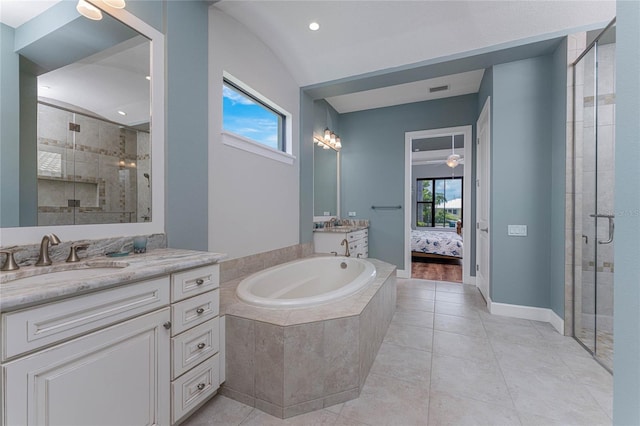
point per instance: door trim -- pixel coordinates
(485, 116)
(467, 131)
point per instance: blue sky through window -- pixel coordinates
(245, 117)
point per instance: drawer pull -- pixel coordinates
(201, 345)
(199, 281)
(167, 325)
(201, 386)
(200, 311)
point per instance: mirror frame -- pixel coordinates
(33, 234)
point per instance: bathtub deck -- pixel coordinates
(291, 361)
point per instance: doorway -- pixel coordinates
(594, 218)
(464, 133)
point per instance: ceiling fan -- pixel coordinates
(453, 159)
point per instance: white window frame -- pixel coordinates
(249, 145)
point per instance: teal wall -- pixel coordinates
(185, 25)
(9, 130)
(521, 182)
(558, 179)
(626, 362)
(373, 166)
(187, 118)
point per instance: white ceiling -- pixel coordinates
(16, 12)
(368, 36)
(459, 84)
(360, 37)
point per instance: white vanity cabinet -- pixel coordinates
(101, 358)
(145, 353)
(195, 339)
(330, 241)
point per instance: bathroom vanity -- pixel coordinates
(330, 240)
(135, 341)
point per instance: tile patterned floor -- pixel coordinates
(447, 361)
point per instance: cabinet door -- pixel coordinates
(115, 376)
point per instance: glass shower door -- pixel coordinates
(594, 98)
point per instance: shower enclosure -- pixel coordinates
(594, 118)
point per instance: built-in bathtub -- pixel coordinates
(306, 282)
(291, 360)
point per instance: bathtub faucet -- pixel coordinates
(346, 244)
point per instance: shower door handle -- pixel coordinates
(610, 218)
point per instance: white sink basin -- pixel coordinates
(62, 272)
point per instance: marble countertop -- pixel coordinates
(341, 229)
(109, 272)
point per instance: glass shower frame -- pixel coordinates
(594, 131)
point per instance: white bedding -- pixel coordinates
(436, 242)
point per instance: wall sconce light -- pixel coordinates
(116, 4)
(329, 140)
(88, 10)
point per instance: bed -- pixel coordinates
(436, 244)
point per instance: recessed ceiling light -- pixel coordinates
(148, 77)
(314, 26)
(122, 112)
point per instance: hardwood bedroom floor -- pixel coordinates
(437, 270)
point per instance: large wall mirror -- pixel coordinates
(88, 145)
(326, 163)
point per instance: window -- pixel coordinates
(244, 115)
(439, 202)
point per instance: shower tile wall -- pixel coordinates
(102, 158)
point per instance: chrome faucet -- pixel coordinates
(43, 258)
(346, 244)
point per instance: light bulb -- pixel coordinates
(327, 134)
(88, 10)
(116, 4)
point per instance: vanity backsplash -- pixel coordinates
(27, 255)
(359, 223)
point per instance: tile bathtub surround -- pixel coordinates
(28, 254)
(235, 268)
(513, 372)
(289, 362)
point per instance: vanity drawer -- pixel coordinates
(194, 311)
(33, 328)
(358, 235)
(194, 346)
(194, 281)
(194, 387)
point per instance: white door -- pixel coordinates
(116, 376)
(483, 175)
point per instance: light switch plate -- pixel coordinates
(327, 213)
(352, 214)
(517, 230)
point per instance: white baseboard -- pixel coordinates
(402, 273)
(528, 312)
